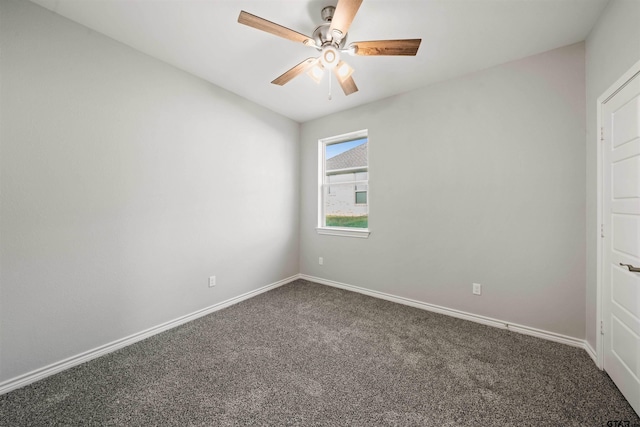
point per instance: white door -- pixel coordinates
(621, 246)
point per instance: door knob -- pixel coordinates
(631, 268)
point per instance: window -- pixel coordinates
(343, 185)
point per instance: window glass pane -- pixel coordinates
(344, 184)
(350, 155)
(342, 177)
(340, 208)
(361, 176)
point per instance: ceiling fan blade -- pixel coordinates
(343, 16)
(348, 85)
(273, 28)
(295, 71)
(408, 47)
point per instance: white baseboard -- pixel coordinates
(72, 361)
(78, 359)
(592, 353)
(526, 330)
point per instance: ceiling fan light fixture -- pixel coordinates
(316, 72)
(343, 71)
(330, 56)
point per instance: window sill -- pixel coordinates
(362, 233)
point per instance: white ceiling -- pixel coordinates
(203, 38)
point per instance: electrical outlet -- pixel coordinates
(477, 289)
(212, 281)
(321, 261)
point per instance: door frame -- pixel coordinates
(602, 99)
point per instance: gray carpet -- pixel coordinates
(307, 354)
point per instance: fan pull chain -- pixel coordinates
(329, 86)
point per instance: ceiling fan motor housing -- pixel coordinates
(322, 36)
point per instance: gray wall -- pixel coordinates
(493, 192)
(612, 47)
(126, 183)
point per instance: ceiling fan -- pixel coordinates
(330, 39)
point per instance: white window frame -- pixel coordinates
(339, 231)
